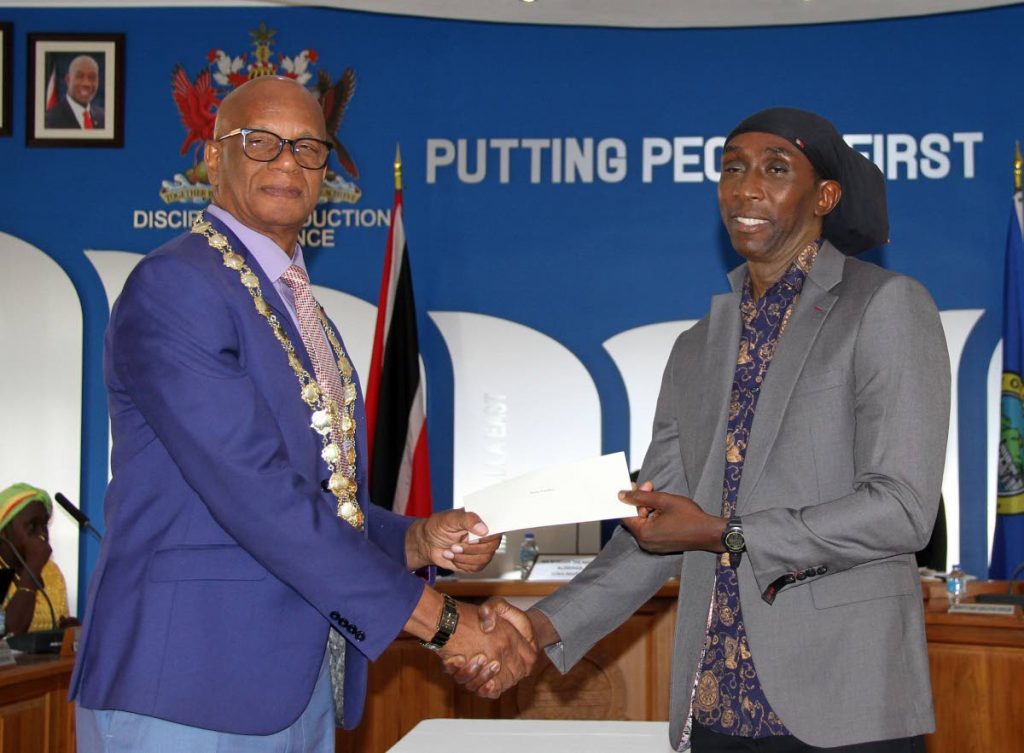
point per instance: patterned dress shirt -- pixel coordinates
(729, 698)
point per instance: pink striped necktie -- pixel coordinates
(327, 376)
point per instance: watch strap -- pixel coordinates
(446, 624)
(734, 530)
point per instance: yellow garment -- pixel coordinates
(56, 589)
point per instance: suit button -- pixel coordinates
(351, 630)
(822, 570)
(360, 635)
(335, 616)
(790, 578)
(800, 575)
(343, 622)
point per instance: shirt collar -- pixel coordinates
(268, 254)
(76, 107)
(786, 288)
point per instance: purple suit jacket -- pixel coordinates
(224, 564)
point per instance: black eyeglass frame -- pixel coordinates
(281, 141)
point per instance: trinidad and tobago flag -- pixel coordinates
(396, 421)
(51, 89)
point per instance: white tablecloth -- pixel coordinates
(534, 736)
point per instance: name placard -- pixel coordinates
(558, 566)
(981, 609)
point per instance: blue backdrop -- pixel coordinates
(577, 245)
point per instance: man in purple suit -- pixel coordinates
(246, 579)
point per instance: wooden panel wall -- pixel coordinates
(625, 676)
(35, 716)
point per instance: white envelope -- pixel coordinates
(568, 493)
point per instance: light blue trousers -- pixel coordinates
(102, 731)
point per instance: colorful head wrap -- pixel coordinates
(16, 497)
(860, 220)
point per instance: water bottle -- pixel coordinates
(527, 554)
(956, 585)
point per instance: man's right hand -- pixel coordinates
(475, 673)
(502, 650)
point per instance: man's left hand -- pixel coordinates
(443, 540)
(671, 523)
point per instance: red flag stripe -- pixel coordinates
(395, 399)
(51, 89)
(420, 501)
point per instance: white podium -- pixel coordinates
(534, 736)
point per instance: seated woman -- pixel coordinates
(25, 547)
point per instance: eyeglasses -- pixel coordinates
(265, 146)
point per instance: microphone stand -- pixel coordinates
(35, 580)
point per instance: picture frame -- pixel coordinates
(75, 90)
(6, 76)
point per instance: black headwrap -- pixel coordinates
(860, 220)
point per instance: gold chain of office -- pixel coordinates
(335, 424)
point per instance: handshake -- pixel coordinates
(495, 646)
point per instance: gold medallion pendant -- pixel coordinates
(335, 424)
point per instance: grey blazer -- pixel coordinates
(840, 486)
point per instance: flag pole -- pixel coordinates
(1018, 167)
(397, 165)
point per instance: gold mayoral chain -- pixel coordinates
(336, 426)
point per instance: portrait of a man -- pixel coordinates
(77, 101)
(76, 90)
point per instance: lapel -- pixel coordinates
(296, 427)
(724, 327)
(809, 314)
(270, 295)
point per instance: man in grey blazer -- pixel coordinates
(788, 501)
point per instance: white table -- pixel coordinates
(534, 736)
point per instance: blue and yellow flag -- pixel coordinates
(1008, 544)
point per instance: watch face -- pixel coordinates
(734, 541)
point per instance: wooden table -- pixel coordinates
(35, 716)
(977, 666)
(624, 677)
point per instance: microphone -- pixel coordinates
(1007, 598)
(78, 515)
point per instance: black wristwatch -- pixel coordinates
(446, 624)
(732, 539)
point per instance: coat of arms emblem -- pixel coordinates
(198, 99)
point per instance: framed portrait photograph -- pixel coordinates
(6, 77)
(75, 90)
